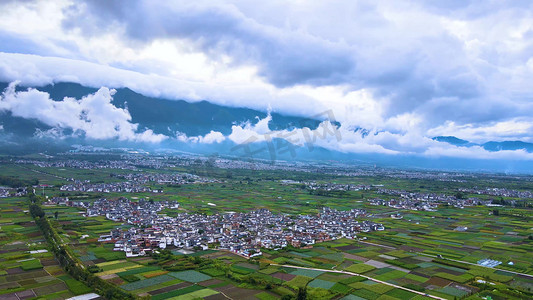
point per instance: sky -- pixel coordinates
(405, 71)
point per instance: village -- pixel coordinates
(135, 183)
(164, 178)
(242, 233)
(12, 192)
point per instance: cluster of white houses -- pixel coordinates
(500, 192)
(135, 183)
(12, 192)
(166, 178)
(243, 233)
(115, 187)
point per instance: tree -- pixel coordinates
(302, 293)
(36, 211)
(197, 260)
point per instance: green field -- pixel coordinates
(21, 272)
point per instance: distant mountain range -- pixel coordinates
(161, 115)
(168, 117)
(490, 146)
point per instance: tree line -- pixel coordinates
(66, 258)
(16, 182)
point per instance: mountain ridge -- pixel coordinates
(489, 146)
(171, 117)
(166, 116)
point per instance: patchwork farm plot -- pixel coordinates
(226, 273)
(384, 267)
(27, 269)
(154, 278)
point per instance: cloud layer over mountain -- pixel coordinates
(92, 116)
(406, 71)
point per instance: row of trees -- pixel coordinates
(69, 261)
(15, 182)
(326, 193)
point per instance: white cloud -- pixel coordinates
(39, 70)
(209, 138)
(52, 133)
(93, 116)
(348, 140)
(248, 133)
(515, 129)
(212, 137)
(477, 152)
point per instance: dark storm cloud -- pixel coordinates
(413, 62)
(284, 59)
(410, 76)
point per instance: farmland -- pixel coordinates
(420, 253)
(27, 269)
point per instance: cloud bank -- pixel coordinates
(349, 140)
(420, 57)
(93, 116)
